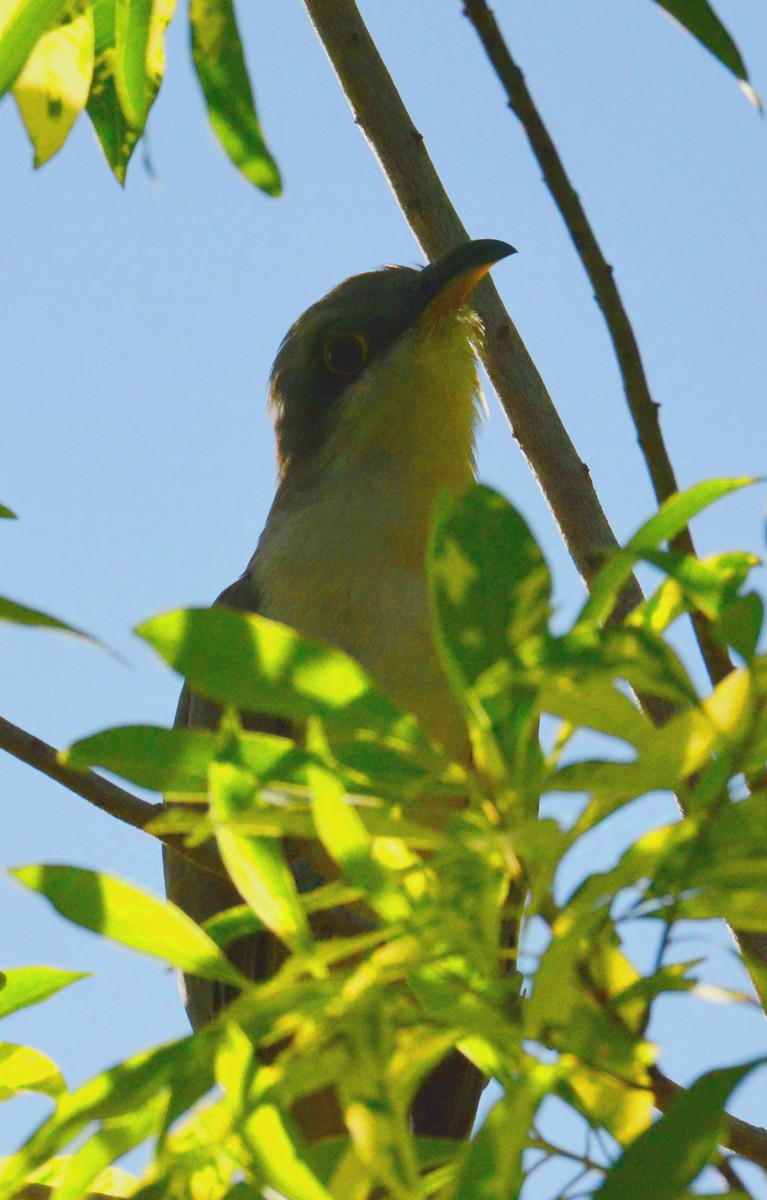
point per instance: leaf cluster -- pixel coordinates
(107, 57)
(448, 883)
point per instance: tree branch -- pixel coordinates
(109, 797)
(643, 409)
(749, 1141)
(399, 147)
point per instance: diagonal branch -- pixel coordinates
(399, 147)
(644, 410)
(749, 1141)
(109, 797)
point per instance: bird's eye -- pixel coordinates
(345, 353)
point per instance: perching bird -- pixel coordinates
(374, 395)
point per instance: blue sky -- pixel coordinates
(138, 331)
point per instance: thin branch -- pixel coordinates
(749, 1141)
(644, 410)
(399, 147)
(100, 792)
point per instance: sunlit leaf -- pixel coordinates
(22, 23)
(140, 54)
(177, 760)
(262, 666)
(121, 911)
(53, 87)
(277, 1157)
(220, 63)
(257, 866)
(491, 586)
(23, 1069)
(673, 516)
(21, 987)
(667, 1157)
(181, 1072)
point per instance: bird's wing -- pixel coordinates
(198, 892)
(446, 1104)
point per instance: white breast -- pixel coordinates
(347, 567)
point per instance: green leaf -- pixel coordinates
(261, 666)
(180, 1072)
(20, 614)
(699, 19)
(220, 63)
(672, 518)
(119, 910)
(7, 514)
(52, 89)
(667, 1157)
(257, 866)
(177, 760)
(21, 987)
(278, 1158)
(22, 23)
(116, 133)
(492, 1167)
(491, 586)
(23, 1069)
(139, 62)
(740, 625)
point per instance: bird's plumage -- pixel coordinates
(374, 397)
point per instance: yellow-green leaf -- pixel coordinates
(21, 987)
(139, 63)
(23, 1069)
(22, 23)
(121, 911)
(53, 87)
(257, 866)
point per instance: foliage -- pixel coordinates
(107, 57)
(443, 890)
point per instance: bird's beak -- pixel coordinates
(449, 281)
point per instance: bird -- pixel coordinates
(375, 399)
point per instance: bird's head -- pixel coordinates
(383, 368)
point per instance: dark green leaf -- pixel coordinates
(20, 614)
(667, 1157)
(24, 25)
(220, 62)
(117, 134)
(122, 911)
(21, 987)
(263, 667)
(699, 19)
(7, 514)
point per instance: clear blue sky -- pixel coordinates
(138, 331)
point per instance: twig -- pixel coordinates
(100, 792)
(644, 410)
(749, 1141)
